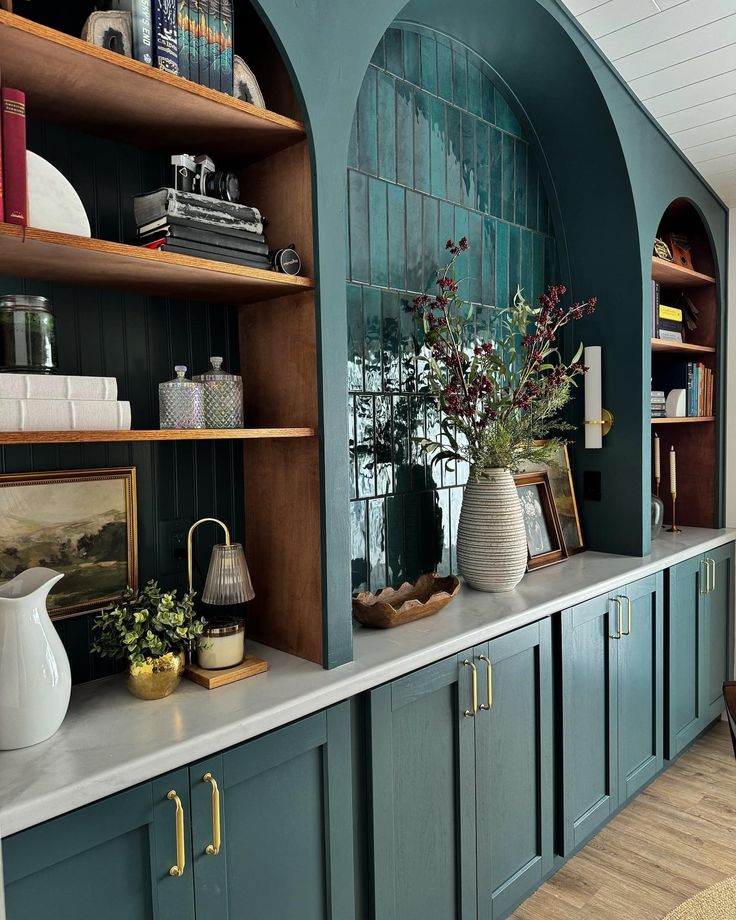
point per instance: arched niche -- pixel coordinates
(688, 283)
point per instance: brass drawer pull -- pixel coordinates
(489, 671)
(178, 870)
(468, 714)
(214, 848)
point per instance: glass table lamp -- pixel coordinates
(228, 579)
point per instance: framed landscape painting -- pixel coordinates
(81, 523)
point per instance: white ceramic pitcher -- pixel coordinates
(35, 677)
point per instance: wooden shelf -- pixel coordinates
(197, 434)
(670, 273)
(683, 348)
(53, 256)
(682, 421)
(78, 84)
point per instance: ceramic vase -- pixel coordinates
(491, 539)
(35, 677)
(156, 678)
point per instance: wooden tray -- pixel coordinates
(396, 606)
(248, 667)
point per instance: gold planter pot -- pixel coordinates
(156, 678)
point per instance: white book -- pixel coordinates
(667, 335)
(64, 415)
(51, 386)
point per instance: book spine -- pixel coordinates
(656, 308)
(202, 32)
(43, 386)
(140, 14)
(15, 175)
(226, 46)
(65, 415)
(207, 60)
(2, 185)
(690, 387)
(166, 45)
(183, 38)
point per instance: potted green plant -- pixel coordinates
(498, 399)
(152, 630)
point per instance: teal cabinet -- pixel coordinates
(285, 836)
(111, 859)
(461, 782)
(262, 830)
(698, 638)
(612, 704)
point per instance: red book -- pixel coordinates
(15, 178)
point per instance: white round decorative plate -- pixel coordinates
(53, 204)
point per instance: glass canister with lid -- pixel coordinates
(222, 396)
(180, 402)
(27, 334)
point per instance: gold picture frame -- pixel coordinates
(563, 491)
(80, 522)
(544, 540)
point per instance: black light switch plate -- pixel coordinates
(591, 486)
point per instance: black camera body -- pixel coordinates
(199, 175)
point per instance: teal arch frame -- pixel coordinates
(613, 182)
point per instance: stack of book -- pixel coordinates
(196, 225)
(658, 404)
(37, 402)
(689, 388)
(191, 38)
(667, 322)
(13, 159)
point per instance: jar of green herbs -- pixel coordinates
(27, 334)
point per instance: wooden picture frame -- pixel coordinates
(79, 522)
(563, 492)
(545, 543)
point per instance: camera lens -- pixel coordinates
(222, 184)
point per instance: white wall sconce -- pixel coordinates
(598, 421)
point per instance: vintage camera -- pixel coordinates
(199, 175)
(285, 260)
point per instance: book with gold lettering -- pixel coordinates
(15, 170)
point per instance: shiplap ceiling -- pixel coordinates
(679, 57)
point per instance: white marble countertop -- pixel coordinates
(110, 740)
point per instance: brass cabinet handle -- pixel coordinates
(178, 870)
(704, 562)
(489, 671)
(620, 606)
(214, 848)
(468, 714)
(624, 632)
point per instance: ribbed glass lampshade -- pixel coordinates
(228, 578)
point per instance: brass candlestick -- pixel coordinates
(674, 528)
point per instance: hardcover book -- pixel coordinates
(208, 43)
(51, 386)
(15, 168)
(209, 237)
(184, 37)
(195, 32)
(64, 415)
(168, 202)
(166, 45)
(175, 225)
(212, 253)
(225, 65)
(140, 13)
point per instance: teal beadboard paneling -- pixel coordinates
(138, 340)
(445, 157)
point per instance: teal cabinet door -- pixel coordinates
(589, 675)
(715, 630)
(111, 860)
(684, 678)
(422, 794)
(514, 764)
(640, 685)
(285, 814)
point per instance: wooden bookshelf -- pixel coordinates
(198, 434)
(53, 256)
(670, 273)
(80, 85)
(681, 348)
(683, 421)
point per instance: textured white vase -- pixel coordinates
(35, 677)
(491, 539)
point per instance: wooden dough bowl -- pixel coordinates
(396, 606)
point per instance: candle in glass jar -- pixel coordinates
(657, 464)
(673, 471)
(222, 644)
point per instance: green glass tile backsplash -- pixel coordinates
(436, 151)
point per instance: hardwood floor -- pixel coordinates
(677, 838)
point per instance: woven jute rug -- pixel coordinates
(716, 903)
